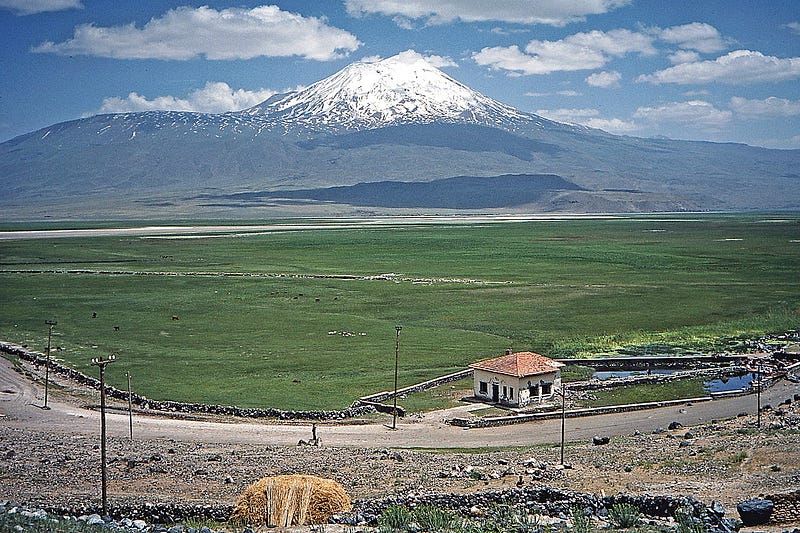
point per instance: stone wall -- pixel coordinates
(182, 407)
(572, 413)
(419, 387)
(538, 500)
(787, 507)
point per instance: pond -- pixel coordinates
(725, 384)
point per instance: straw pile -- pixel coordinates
(290, 500)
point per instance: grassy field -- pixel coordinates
(561, 288)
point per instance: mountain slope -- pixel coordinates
(398, 120)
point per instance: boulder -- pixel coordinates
(600, 440)
(755, 512)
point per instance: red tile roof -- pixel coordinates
(518, 364)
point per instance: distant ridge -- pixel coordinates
(461, 192)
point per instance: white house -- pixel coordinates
(516, 378)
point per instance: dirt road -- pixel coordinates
(21, 401)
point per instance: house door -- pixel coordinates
(495, 392)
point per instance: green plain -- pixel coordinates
(560, 288)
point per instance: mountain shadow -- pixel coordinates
(461, 192)
(463, 137)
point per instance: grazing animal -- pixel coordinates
(175, 317)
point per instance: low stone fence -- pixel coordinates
(537, 500)
(787, 506)
(493, 421)
(656, 361)
(181, 407)
(419, 387)
(556, 503)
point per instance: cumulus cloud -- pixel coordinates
(440, 61)
(580, 51)
(215, 97)
(559, 93)
(694, 113)
(698, 36)
(184, 33)
(683, 56)
(30, 7)
(737, 67)
(604, 79)
(767, 108)
(590, 118)
(794, 26)
(552, 12)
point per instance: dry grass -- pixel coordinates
(290, 500)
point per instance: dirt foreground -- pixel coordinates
(51, 457)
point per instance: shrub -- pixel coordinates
(395, 518)
(687, 523)
(624, 515)
(430, 518)
(581, 520)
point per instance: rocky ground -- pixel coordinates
(727, 461)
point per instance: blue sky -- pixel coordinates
(718, 70)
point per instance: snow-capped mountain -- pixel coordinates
(370, 136)
(403, 89)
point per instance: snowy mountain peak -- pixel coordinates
(403, 89)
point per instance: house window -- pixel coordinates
(511, 392)
(547, 388)
(505, 392)
(483, 387)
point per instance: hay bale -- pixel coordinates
(290, 500)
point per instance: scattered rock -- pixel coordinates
(755, 512)
(600, 440)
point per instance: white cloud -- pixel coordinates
(553, 12)
(30, 7)
(767, 108)
(440, 61)
(698, 36)
(559, 93)
(580, 51)
(604, 79)
(612, 125)
(571, 116)
(792, 143)
(588, 117)
(185, 33)
(683, 56)
(215, 97)
(693, 114)
(794, 26)
(737, 67)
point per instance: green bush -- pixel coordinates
(581, 520)
(687, 523)
(395, 518)
(430, 518)
(624, 515)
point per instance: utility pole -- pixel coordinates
(130, 405)
(50, 324)
(758, 395)
(396, 359)
(102, 363)
(563, 417)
